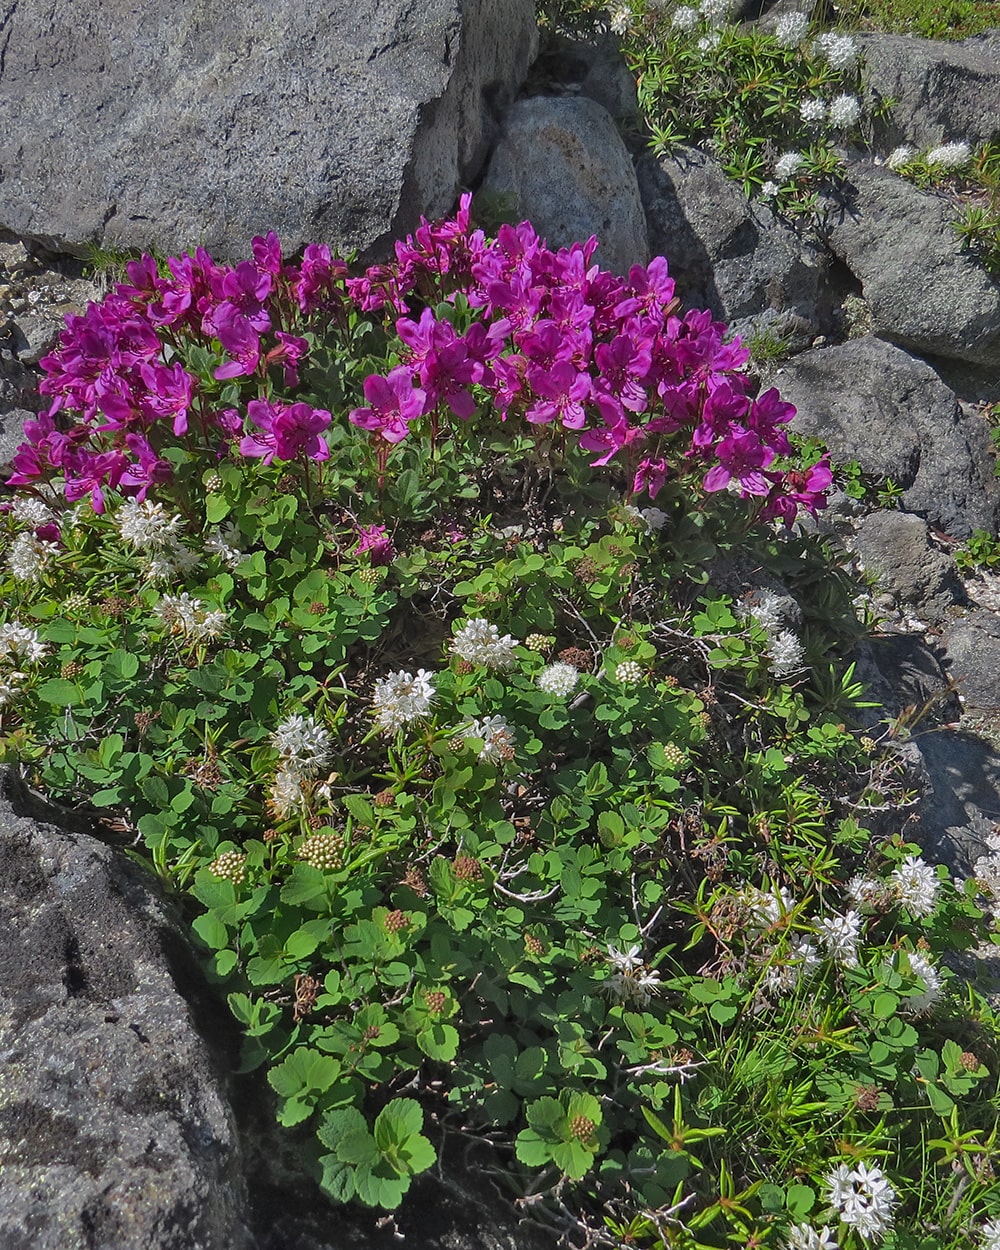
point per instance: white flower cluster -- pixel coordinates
(31, 511)
(632, 981)
(715, 12)
(764, 908)
(949, 156)
(620, 18)
(769, 190)
(991, 1236)
(707, 43)
(303, 744)
(791, 29)
(845, 112)
(628, 673)
(900, 156)
(497, 737)
(812, 110)
(402, 697)
(783, 648)
(916, 884)
(788, 165)
(685, 18)
(798, 963)
(862, 1197)
(147, 527)
(920, 1004)
(558, 679)
(804, 1237)
(839, 51)
(190, 618)
(224, 543)
(29, 555)
(479, 642)
(18, 642)
(839, 934)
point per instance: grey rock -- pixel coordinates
(728, 255)
(874, 403)
(958, 814)
(114, 1130)
(973, 647)
(593, 68)
(923, 292)
(338, 123)
(19, 400)
(561, 162)
(941, 90)
(896, 546)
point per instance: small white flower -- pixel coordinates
(31, 511)
(862, 1197)
(812, 110)
(917, 885)
(147, 526)
(788, 166)
(840, 51)
(839, 934)
(765, 909)
(685, 19)
(715, 11)
(303, 744)
(785, 652)
(949, 156)
(762, 606)
(620, 18)
(920, 1004)
(186, 616)
(786, 971)
(479, 642)
(845, 111)
(991, 1236)
(709, 42)
(558, 679)
(497, 737)
(17, 641)
(402, 697)
(900, 156)
(28, 556)
(288, 793)
(224, 543)
(628, 673)
(625, 961)
(769, 190)
(653, 518)
(10, 686)
(791, 29)
(803, 1237)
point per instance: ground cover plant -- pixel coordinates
(444, 636)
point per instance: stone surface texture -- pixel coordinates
(114, 1128)
(941, 91)
(874, 403)
(145, 124)
(729, 255)
(896, 547)
(561, 162)
(923, 292)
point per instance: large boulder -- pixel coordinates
(561, 162)
(939, 90)
(872, 402)
(115, 1131)
(146, 124)
(896, 547)
(729, 255)
(924, 293)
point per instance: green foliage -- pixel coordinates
(928, 19)
(981, 551)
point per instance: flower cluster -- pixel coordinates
(862, 1197)
(401, 698)
(190, 619)
(479, 642)
(558, 341)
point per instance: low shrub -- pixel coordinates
(444, 636)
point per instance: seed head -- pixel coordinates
(230, 866)
(397, 920)
(324, 851)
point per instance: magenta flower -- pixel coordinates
(239, 339)
(562, 391)
(375, 540)
(169, 392)
(741, 457)
(650, 476)
(147, 470)
(286, 432)
(395, 402)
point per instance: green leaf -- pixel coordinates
(59, 691)
(211, 930)
(532, 1148)
(397, 1121)
(800, 1200)
(573, 1158)
(438, 1041)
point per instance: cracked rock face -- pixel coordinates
(338, 123)
(114, 1128)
